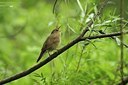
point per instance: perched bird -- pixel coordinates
(51, 42)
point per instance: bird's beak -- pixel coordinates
(59, 27)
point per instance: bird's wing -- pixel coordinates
(48, 43)
(44, 48)
(41, 55)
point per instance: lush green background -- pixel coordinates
(25, 24)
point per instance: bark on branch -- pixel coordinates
(124, 82)
(35, 67)
(54, 55)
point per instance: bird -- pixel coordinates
(51, 43)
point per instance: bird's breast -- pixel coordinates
(54, 42)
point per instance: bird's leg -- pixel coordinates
(49, 53)
(57, 50)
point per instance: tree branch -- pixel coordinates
(104, 35)
(114, 38)
(121, 45)
(54, 55)
(124, 82)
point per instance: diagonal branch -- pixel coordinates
(35, 67)
(104, 35)
(114, 38)
(54, 55)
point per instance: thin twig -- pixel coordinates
(114, 38)
(103, 4)
(81, 54)
(121, 45)
(54, 6)
(104, 35)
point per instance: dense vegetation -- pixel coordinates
(25, 24)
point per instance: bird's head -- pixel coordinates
(56, 30)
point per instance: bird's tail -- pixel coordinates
(41, 54)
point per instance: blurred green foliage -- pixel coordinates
(25, 24)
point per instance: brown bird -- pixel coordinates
(51, 42)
